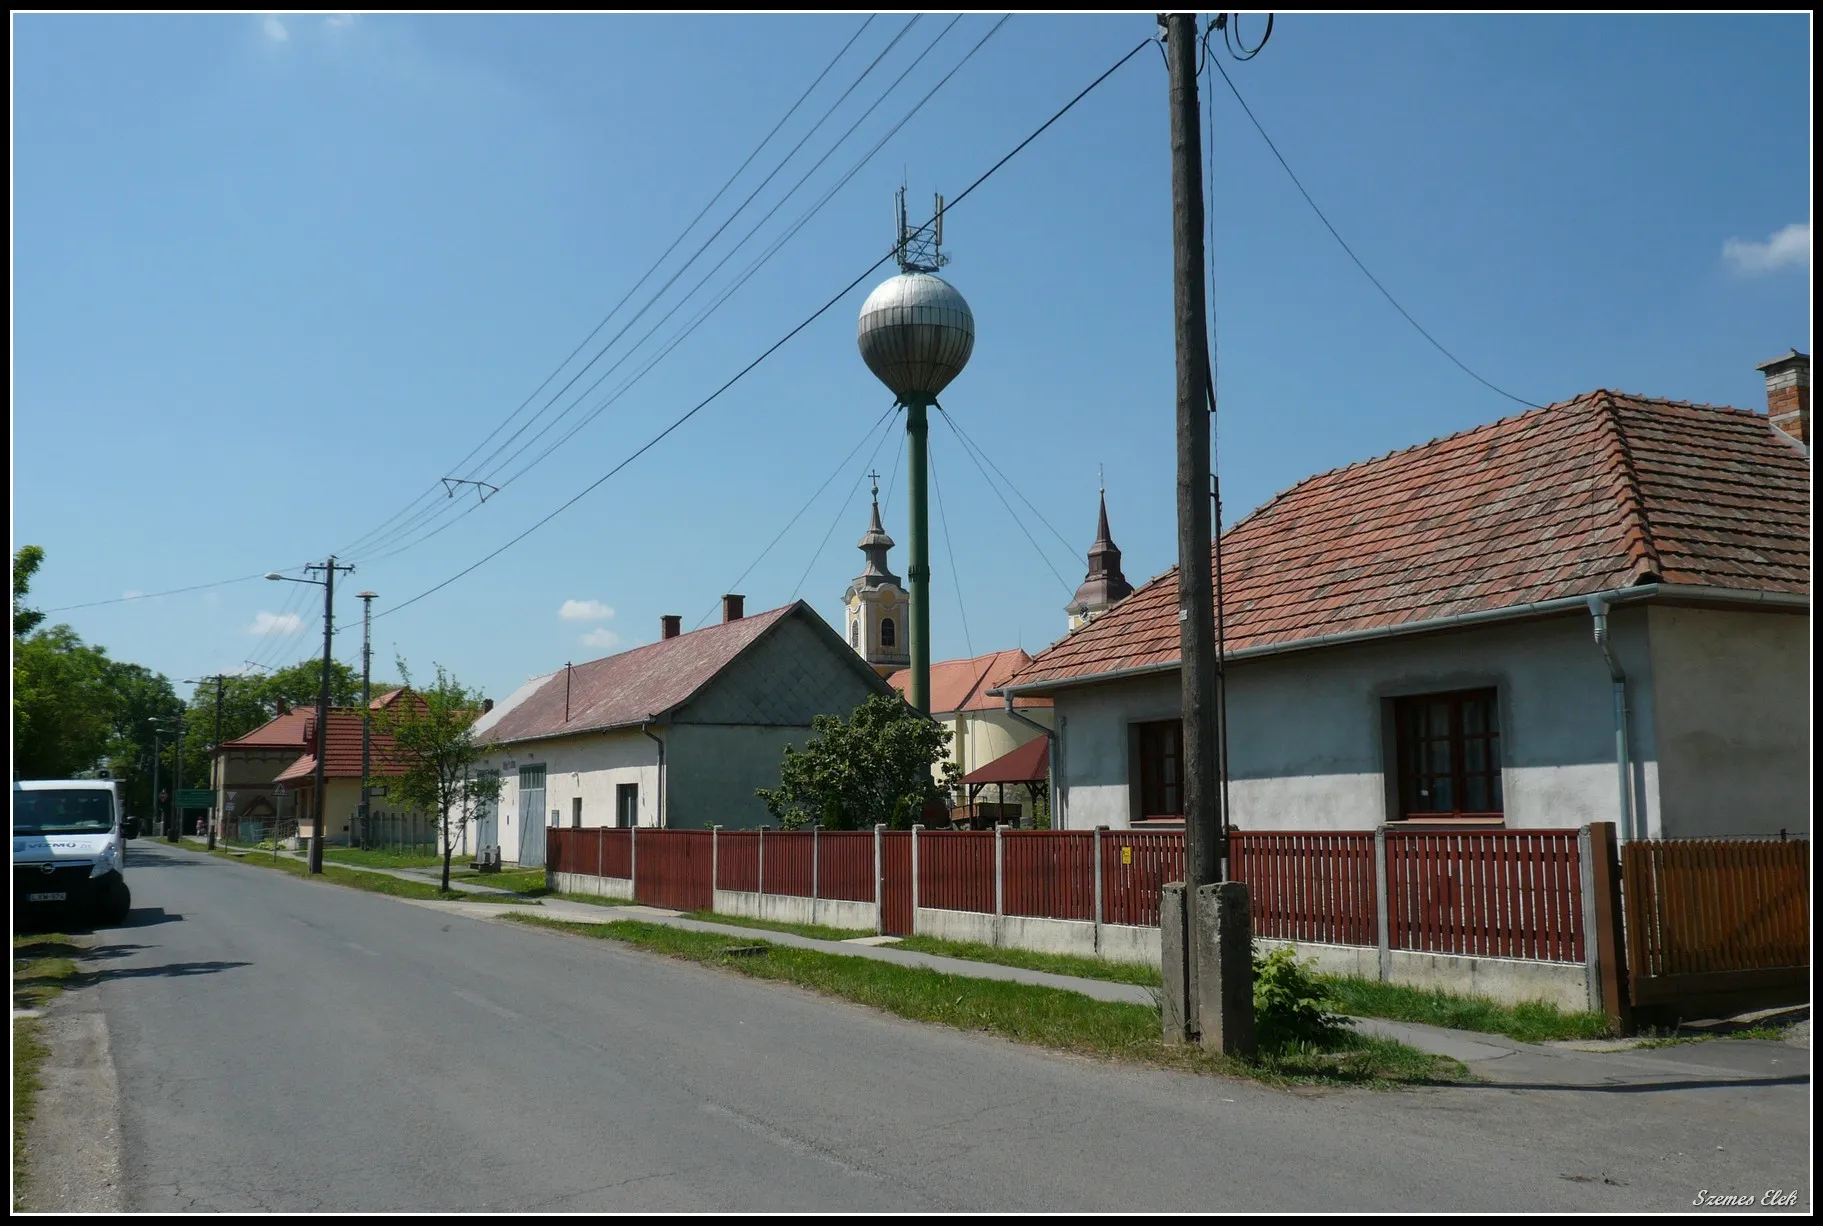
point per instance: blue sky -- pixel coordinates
(275, 276)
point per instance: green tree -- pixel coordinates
(434, 744)
(299, 684)
(63, 710)
(25, 564)
(875, 766)
(141, 696)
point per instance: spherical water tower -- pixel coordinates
(916, 334)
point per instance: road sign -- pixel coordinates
(194, 798)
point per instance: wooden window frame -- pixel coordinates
(889, 633)
(621, 791)
(1154, 791)
(1408, 751)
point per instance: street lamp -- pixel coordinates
(366, 599)
(214, 813)
(158, 727)
(327, 583)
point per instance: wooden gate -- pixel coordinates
(896, 883)
(1709, 918)
(531, 816)
(673, 870)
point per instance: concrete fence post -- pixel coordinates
(914, 881)
(1382, 906)
(633, 859)
(1604, 937)
(1585, 862)
(879, 878)
(1097, 835)
(816, 867)
(999, 881)
(759, 886)
(715, 863)
(601, 845)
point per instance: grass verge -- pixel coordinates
(388, 859)
(42, 965)
(525, 882)
(817, 932)
(1654, 1039)
(374, 883)
(1145, 975)
(1047, 1017)
(1533, 1022)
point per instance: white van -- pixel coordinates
(68, 849)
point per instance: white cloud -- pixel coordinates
(275, 29)
(601, 636)
(338, 21)
(1789, 248)
(131, 593)
(585, 611)
(276, 623)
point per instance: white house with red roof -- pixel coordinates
(982, 728)
(675, 733)
(1593, 611)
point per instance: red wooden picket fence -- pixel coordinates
(1486, 893)
(1049, 874)
(1505, 893)
(956, 870)
(1309, 887)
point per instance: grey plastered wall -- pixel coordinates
(1308, 732)
(1732, 703)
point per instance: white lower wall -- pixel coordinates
(791, 909)
(588, 883)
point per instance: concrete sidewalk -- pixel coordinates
(1492, 1057)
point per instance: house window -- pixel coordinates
(1161, 775)
(626, 805)
(1449, 757)
(575, 812)
(889, 634)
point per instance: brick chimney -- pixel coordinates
(1788, 393)
(733, 608)
(671, 625)
(487, 704)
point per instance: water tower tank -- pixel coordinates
(916, 334)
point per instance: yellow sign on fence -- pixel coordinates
(1126, 855)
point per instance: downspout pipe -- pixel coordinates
(1598, 610)
(660, 742)
(1056, 750)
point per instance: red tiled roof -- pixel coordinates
(1027, 764)
(963, 685)
(343, 760)
(1601, 492)
(284, 731)
(625, 689)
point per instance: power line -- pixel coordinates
(1384, 292)
(702, 317)
(955, 573)
(1014, 515)
(656, 264)
(841, 513)
(175, 591)
(971, 443)
(792, 522)
(774, 347)
(766, 256)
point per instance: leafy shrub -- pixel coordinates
(1291, 1008)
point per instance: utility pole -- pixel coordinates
(177, 783)
(219, 782)
(366, 599)
(157, 804)
(1207, 941)
(320, 808)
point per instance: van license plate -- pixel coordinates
(60, 897)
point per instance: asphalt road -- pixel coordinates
(288, 1045)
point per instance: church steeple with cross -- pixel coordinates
(875, 604)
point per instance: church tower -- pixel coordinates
(1105, 584)
(875, 604)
